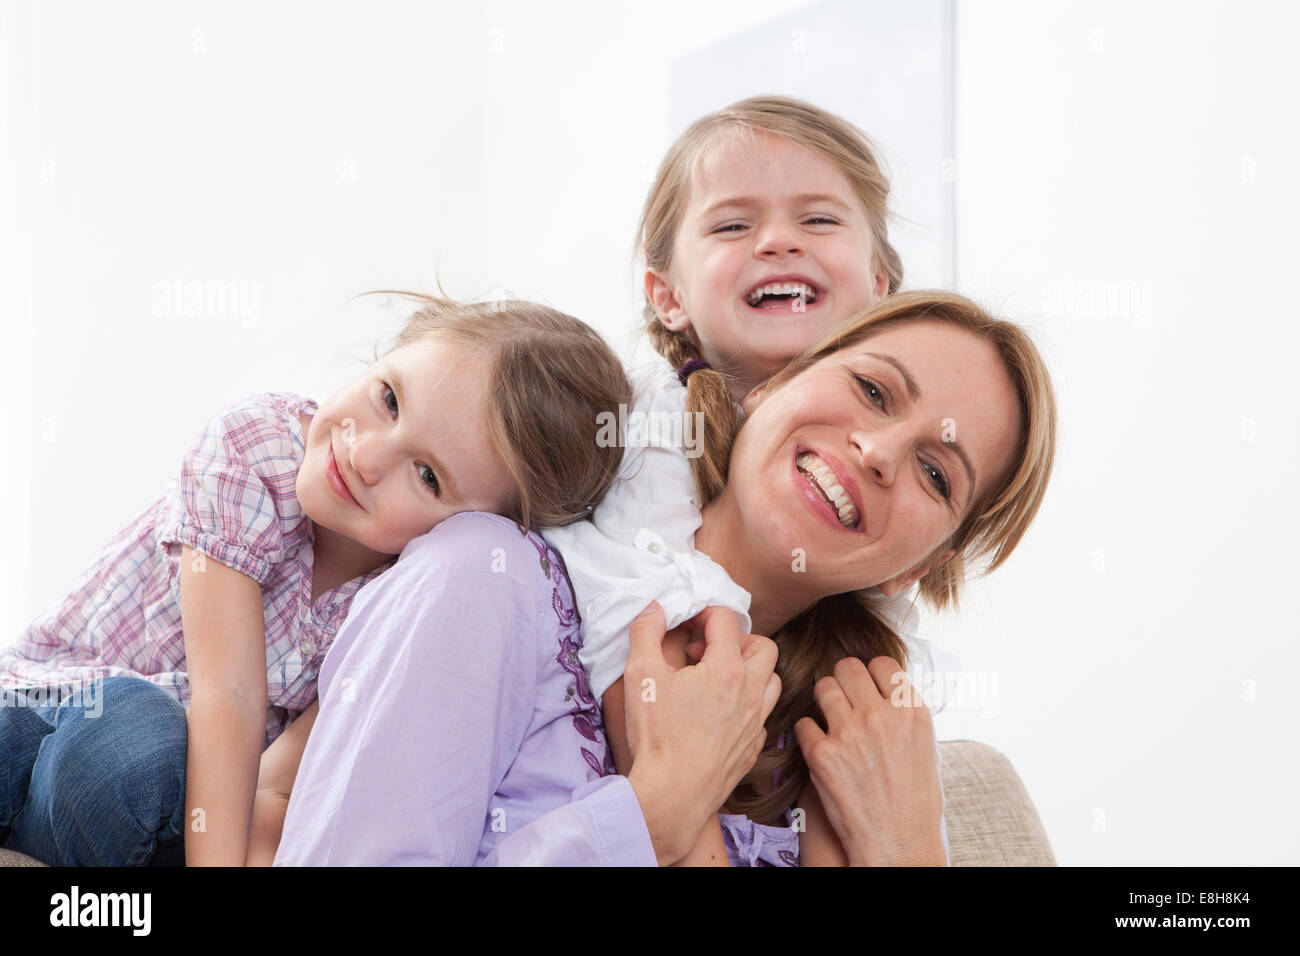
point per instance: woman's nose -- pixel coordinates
(877, 452)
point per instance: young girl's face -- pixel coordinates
(762, 213)
(403, 447)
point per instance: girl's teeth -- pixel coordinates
(822, 478)
(799, 289)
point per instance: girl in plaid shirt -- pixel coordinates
(133, 713)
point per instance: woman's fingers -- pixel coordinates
(758, 649)
(721, 636)
(748, 646)
(705, 728)
(807, 734)
(874, 768)
(715, 621)
(831, 700)
(865, 685)
(771, 694)
(881, 680)
(900, 691)
(700, 620)
(646, 639)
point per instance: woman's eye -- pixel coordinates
(428, 477)
(938, 479)
(392, 406)
(871, 390)
(730, 227)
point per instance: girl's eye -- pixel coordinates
(938, 478)
(730, 227)
(821, 220)
(871, 390)
(428, 477)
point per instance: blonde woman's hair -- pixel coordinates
(549, 379)
(825, 134)
(849, 624)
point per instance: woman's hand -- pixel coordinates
(876, 770)
(694, 732)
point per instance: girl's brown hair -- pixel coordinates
(825, 134)
(550, 377)
(849, 624)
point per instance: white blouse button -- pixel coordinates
(647, 540)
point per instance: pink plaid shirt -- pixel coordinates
(235, 502)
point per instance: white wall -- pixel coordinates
(1125, 184)
(886, 67)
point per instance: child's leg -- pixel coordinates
(109, 783)
(25, 721)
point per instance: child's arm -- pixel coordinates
(818, 843)
(709, 850)
(225, 652)
(274, 784)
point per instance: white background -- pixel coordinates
(1126, 185)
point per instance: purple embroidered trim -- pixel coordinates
(587, 717)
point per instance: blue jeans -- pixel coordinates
(94, 779)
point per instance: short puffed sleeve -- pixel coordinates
(234, 499)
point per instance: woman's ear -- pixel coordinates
(752, 400)
(908, 578)
(663, 299)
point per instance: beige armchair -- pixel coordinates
(991, 821)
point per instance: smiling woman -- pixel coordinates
(913, 440)
(475, 661)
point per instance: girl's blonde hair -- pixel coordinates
(825, 134)
(849, 624)
(549, 378)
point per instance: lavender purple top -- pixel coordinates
(457, 727)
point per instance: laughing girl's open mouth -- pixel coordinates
(782, 294)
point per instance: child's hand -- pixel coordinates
(269, 810)
(876, 771)
(276, 773)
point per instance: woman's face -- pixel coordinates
(902, 432)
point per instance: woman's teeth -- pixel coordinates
(821, 477)
(785, 289)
